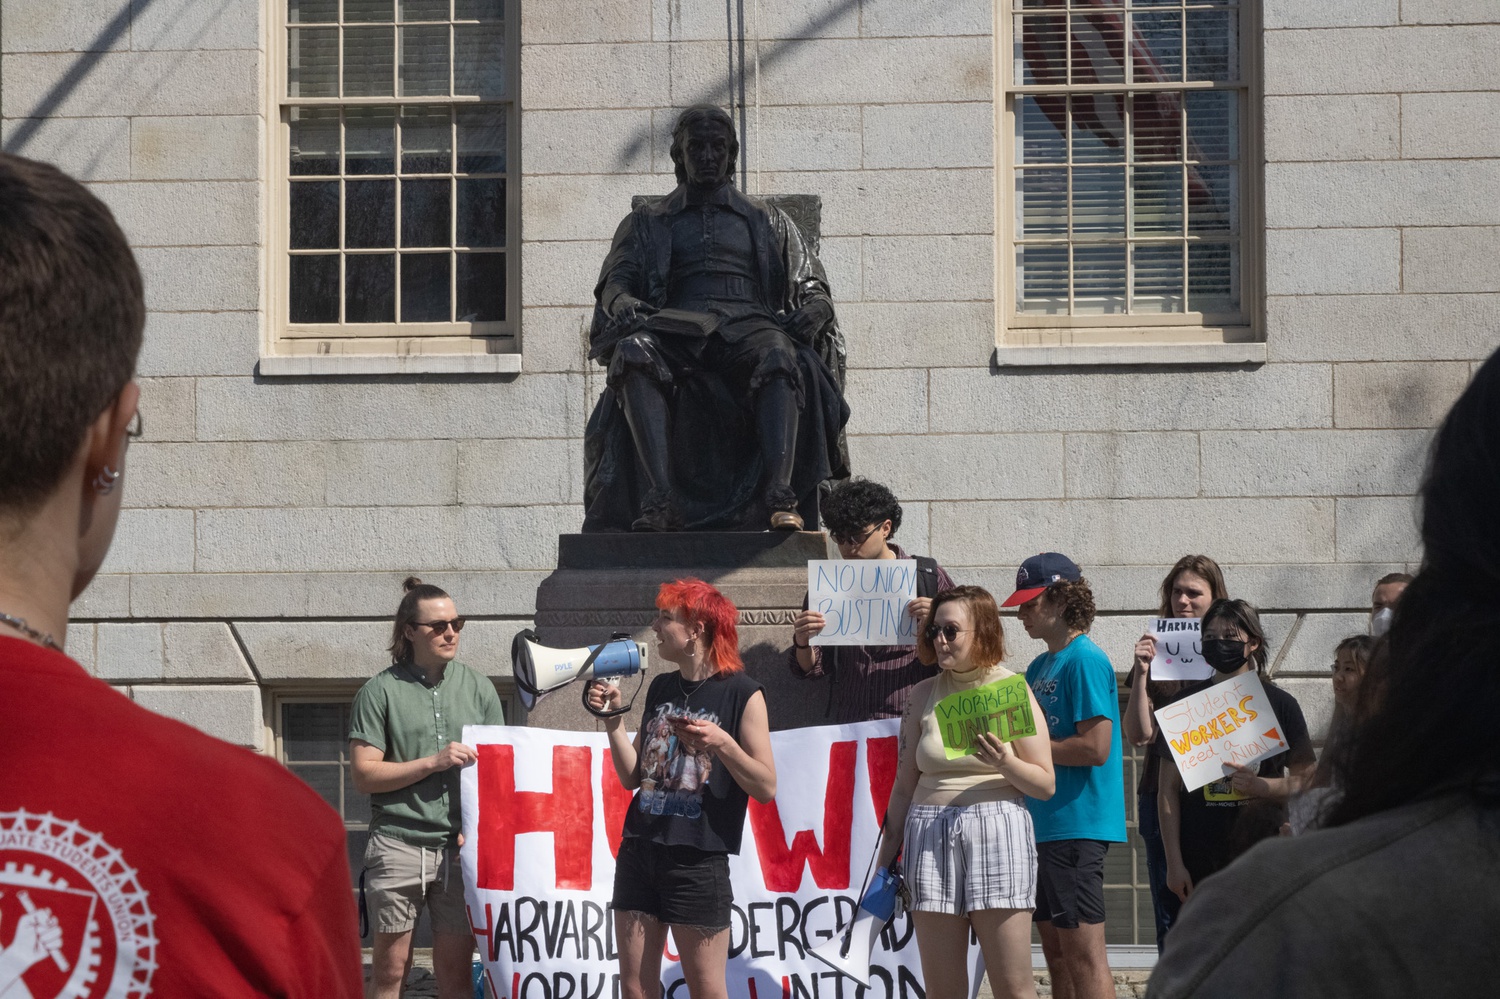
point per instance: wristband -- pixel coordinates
(796, 645)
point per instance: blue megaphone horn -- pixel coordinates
(540, 669)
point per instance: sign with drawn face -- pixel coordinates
(1228, 725)
(863, 601)
(1179, 649)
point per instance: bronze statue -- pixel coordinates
(724, 402)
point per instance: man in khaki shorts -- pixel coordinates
(403, 744)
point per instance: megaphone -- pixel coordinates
(850, 949)
(540, 669)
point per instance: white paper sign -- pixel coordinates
(1179, 649)
(1227, 725)
(542, 818)
(863, 600)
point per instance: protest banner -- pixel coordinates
(863, 600)
(1179, 649)
(1002, 707)
(1230, 724)
(542, 817)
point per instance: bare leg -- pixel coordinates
(1005, 938)
(453, 964)
(639, 939)
(1057, 969)
(1083, 958)
(389, 965)
(943, 942)
(705, 955)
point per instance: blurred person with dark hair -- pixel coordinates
(1189, 587)
(703, 750)
(961, 825)
(866, 681)
(196, 867)
(405, 753)
(1203, 830)
(1383, 600)
(1351, 661)
(1075, 686)
(1399, 894)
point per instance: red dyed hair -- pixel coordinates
(702, 604)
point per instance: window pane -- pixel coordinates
(368, 10)
(1211, 277)
(1098, 47)
(312, 11)
(1098, 201)
(1099, 279)
(313, 209)
(322, 779)
(312, 62)
(1039, 130)
(313, 731)
(424, 61)
(1041, 203)
(1213, 201)
(481, 287)
(424, 287)
(1158, 278)
(314, 141)
(478, 10)
(1156, 127)
(422, 10)
(426, 140)
(369, 140)
(1041, 49)
(479, 60)
(481, 140)
(1042, 280)
(1156, 198)
(370, 288)
(1098, 128)
(314, 287)
(481, 213)
(1213, 123)
(1212, 46)
(369, 61)
(424, 212)
(1157, 52)
(369, 214)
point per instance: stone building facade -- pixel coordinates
(288, 481)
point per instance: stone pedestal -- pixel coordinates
(606, 583)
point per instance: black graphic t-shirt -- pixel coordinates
(689, 799)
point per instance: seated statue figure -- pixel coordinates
(723, 407)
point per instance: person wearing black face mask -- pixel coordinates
(1203, 830)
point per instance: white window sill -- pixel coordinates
(1118, 354)
(332, 365)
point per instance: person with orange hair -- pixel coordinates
(703, 749)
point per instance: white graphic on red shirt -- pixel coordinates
(74, 921)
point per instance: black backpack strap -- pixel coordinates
(927, 577)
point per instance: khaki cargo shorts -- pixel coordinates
(400, 878)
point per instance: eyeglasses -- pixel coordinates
(136, 426)
(441, 627)
(949, 632)
(840, 538)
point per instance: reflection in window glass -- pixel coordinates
(315, 289)
(369, 214)
(426, 139)
(424, 212)
(370, 288)
(424, 287)
(481, 287)
(481, 213)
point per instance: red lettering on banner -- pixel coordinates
(880, 761)
(616, 803)
(567, 812)
(780, 865)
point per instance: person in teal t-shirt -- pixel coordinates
(1075, 686)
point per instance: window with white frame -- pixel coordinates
(1127, 142)
(399, 202)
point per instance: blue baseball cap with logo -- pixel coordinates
(1039, 572)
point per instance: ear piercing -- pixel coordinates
(104, 482)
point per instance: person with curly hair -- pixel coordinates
(866, 681)
(1075, 686)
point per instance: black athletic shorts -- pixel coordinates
(1070, 882)
(675, 884)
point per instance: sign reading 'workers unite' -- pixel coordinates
(863, 601)
(1230, 724)
(1002, 708)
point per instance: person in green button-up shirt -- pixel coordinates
(405, 749)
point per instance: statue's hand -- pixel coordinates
(805, 323)
(631, 313)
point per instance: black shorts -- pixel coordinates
(675, 884)
(1070, 882)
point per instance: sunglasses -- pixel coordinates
(949, 632)
(854, 540)
(441, 627)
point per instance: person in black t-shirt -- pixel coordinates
(1203, 830)
(703, 749)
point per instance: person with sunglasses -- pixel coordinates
(963, 824)
(865, 681)
(406, 755)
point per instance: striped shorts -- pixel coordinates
(963, 858)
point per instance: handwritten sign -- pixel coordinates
(1179, 649)
(863, 601)
(1228, 725)
(1003, 708)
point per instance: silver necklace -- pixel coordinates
(688, 694)
(19, 623)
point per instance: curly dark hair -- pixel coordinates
(1077, 601)
(857, 503)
